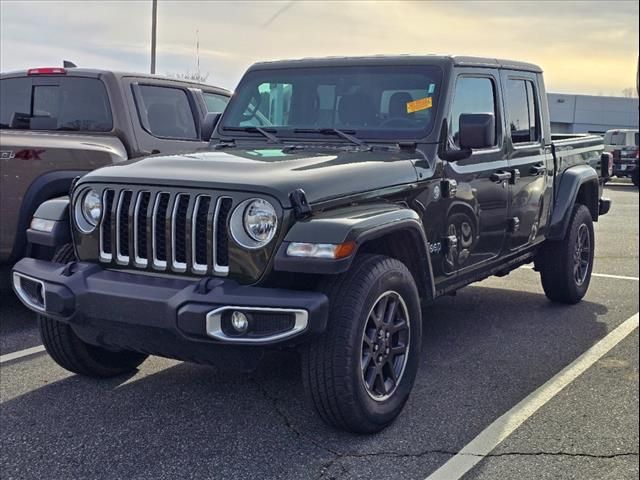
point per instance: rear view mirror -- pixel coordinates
(477, 130)
(208, 126)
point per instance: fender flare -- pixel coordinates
(57, 211)
(566, 195)
(46, 186)
(360, 224)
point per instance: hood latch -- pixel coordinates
(301, 207)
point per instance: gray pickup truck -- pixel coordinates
(339, 197)
(59, 123)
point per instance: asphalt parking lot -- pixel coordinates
(484, 351)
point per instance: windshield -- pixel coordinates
(75, 104)
(374, 102)
(616, 138)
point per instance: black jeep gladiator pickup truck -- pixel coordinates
(337, 198)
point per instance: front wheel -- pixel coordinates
(565, 265)
(360, 372)
(75, 355)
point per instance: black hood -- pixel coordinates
(322, 173)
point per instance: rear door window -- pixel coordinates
(166, 112)
(55, 103)
(215, 103)
(522, 111)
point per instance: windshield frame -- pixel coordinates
(288, 134)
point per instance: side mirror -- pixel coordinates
(606, 165)
(477, 130)
(208, 125)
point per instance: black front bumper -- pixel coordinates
(158, 315)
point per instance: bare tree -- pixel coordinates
(193, 76)
(630, 92)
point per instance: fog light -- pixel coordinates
(239, 322)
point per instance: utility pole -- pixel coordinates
(154, 18)
(198, 54)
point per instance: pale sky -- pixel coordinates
(584, 47)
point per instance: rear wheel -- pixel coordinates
(565, 265)
(635, 177)
(360, 372)
(71, 353)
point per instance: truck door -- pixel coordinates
(527, 159)
(476, 218)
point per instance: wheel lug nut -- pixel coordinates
(375, 347)
(386, 351)
(380, 358)
(387, 335)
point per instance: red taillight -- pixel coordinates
(46, 71)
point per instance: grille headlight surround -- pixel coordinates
(254, 223)
(88, 210)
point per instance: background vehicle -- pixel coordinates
(623, 144)
(339, 196)
(59, 123)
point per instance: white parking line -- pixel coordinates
(601, 275)
(619, 277)
(21, 353)
(499, 430)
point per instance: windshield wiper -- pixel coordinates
(334, 131)
(225, 143)
(270, 136)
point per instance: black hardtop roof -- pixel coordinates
(97, 72)
(442, 60)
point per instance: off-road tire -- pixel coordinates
(556, 261)
(331, 365)
(71, 353)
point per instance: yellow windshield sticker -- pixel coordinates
(420, 104)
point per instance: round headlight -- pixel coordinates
(260, 220)
(89, 211)
(254, 223)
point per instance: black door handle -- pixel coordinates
(500, 176)
(538, 170)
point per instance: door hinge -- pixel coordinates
(515, 176)
(301, 207)
(449, 188)
(514, 224)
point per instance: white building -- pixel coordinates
(590, 113)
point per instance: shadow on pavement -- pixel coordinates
(483, 351)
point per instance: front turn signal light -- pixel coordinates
(321, 250)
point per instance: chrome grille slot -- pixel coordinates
(199, 233)
(105, 226)
(179, 233)
(122, 227)
(140, 255)
(221, 236)
(159, 224)
(168, 231)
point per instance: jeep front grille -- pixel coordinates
(166, 231)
